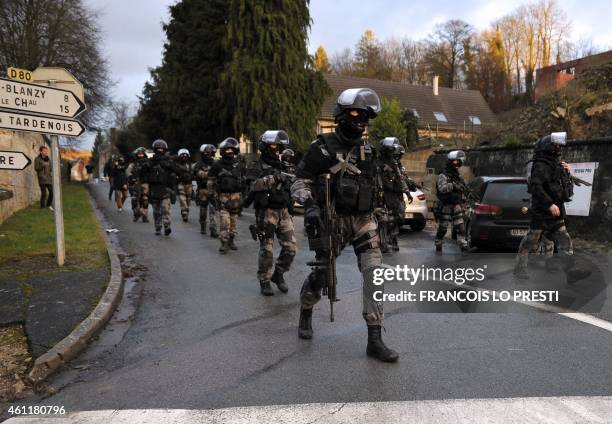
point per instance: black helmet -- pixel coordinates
(387, 146)
(288, 155)
(160, 146)
(229, 147)
(183, 153)
(399, 151)
(272, 142)
(208, 150)
(551, 144)
(354, 108)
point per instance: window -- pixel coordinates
(440, 116)
(474, 120)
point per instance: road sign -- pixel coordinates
(40, 124)
(20, 74)
(61, 78)
(15, 161)
(38, 99)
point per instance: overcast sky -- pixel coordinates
(133, 36)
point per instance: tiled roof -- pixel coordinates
(457, 105)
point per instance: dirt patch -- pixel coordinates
(15, 359)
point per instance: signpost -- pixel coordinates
(45, 106)
(36, 99)
(40, 124)
(14, 161)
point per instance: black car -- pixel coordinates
(500, 215)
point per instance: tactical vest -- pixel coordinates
(353, 181)
(561, 188)
(277, 198)
(158, 173)
(230, 180)
(391, 178)
(185, 175)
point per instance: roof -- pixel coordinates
(457, 105)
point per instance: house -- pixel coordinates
(552, 78)
(441, 111)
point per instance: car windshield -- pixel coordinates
(505, 190)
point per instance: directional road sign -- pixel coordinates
(15, 161)
(38, 99)
(60, 78)
(40, 124)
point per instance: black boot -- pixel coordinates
(202, 228)
(266, 289)
(214, 233)
(167, 231)
(231, 244)
(438, 247)
(224, 247)
(185, 217)
(376, 348)
(158, 231)
(145, 218)
(277, 278)
(394, 244)
(136, 217)
(305, 326)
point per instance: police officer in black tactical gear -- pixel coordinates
(160, 172)
(393, 189)
(347, 161)
(185, 181)
(271, 193)
(206, 199)
(288, 161)
(225, 179)
(550, 186)
(452, 197)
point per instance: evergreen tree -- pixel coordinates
(270, 78)
(99, 141)
(388, 123)
(184, 102)
(321, 62)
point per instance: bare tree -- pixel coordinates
(446, 49)
(61, 33)
(342, 62)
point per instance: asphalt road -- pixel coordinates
(203, 337)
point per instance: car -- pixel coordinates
(415, 213)
(499, 216)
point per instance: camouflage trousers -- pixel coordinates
(207, 210)
(120, 196)
(280, 223)
(362, 232)
(451, 214)
(161, 213)
(184, 195)
(139, 194)
(542, 238)
(229, 206)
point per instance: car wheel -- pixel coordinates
(418, 224)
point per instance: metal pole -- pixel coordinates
(58, 212)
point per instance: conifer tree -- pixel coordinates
(321, 61)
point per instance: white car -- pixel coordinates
(415, 214)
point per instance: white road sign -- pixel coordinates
(15, 161)
(40, 124)
(38, 99)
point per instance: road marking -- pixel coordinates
(506, 410)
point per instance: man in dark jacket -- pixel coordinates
(42, 165)
(120, 181)
(550, 185)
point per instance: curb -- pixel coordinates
(68, 348)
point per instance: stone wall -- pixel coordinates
(23, 185)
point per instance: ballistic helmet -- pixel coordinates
(160, 146)
(288, 155)
(457, 155)
(552, 143)
(229, 147)
(183, 152)
(208, 149)
(387, 145)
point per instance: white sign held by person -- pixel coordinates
(581, 202)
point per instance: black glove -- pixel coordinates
(312, 217)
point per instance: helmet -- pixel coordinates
(287, 155)
(399, 151)
(353, 109)
(272, 142)
(229, 147)
(183, 152)
(208, 149)
(552, 143)
(387, 145)
(457, 155)
(160, 146)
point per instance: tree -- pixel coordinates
(184, 101)
(321, 63)
(343, 63)
(369, 61)
(446, 50)
(61, 33)
(270, 78)
(388, 123)
(99, 141)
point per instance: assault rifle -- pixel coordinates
(326, 239)
(469, 193)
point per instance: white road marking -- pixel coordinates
(558, 410)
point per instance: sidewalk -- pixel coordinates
(39, 300)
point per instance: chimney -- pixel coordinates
(435, 85)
